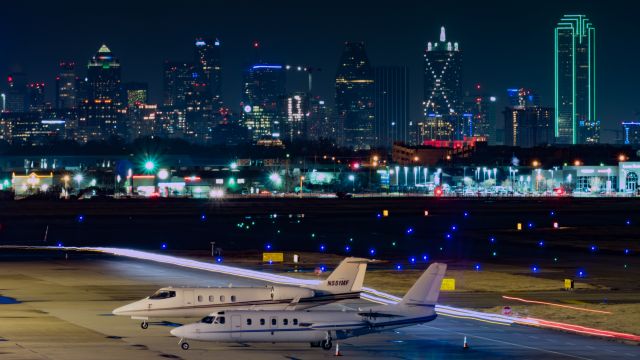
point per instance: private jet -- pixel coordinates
(345, 282)
(320, 327)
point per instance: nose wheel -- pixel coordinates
(326, 344)
(144, 325)
(184, 346)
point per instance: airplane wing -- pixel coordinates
(377, 315)
(346, 325)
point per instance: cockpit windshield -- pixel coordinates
(213, 320)
(207, 319)
(163, 294)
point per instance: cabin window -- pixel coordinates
(221, 298)
(199, 298)
(295, 321)
(207, 319)
(249, 322)
(262, 322)
(233, 298)
(163, 294)
(220, 320)
(212, 298)
(274, 321)
(285, 321)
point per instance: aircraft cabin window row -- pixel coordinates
(221, 320)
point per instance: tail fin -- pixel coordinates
(347, 277)
(426, 289)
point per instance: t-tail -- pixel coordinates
(348, 277)
(426, 289)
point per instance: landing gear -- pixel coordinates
(184, 346)
(326, 344)
(144, 325)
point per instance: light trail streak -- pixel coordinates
(554, 304)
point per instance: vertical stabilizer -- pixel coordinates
(426, 289)
(347, 277)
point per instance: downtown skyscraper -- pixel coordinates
(391, 104)
(442, 104)
(99, 109)
(263, 99)
(576, 121)
(355, 91)
(208, 63)
(66, 85)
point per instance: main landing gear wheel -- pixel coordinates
(144, 325)
(184, 346)
(326, 344)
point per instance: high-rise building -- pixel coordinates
(66, 86)
(100, 109)
(35, 96)
(355, 92)
(631, 132)
(528, 126)
(16, 97)
(576, 121)
(209, 65)
(135, 93)
(320, 123)
(263, 99)
(179, 77)
(141, 119)
(442, 102)
(391, 104)
(479, 115)
(296, 109)
(521, 97)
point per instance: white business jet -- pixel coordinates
(345, 282)
(319, 327)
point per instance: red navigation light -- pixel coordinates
(256, 44)
(9, 78)
(437, 191)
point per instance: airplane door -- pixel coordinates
(236, 326)
(188, 297)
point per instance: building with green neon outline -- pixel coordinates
(575, 81)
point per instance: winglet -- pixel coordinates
(426, 289)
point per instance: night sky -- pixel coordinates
(505, 43)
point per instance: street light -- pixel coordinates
(4, 101)
(149, 165)
(78, 178)
(352, 178)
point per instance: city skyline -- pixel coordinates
(237, 51)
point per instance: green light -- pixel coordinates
(149, 165)
(232, 181)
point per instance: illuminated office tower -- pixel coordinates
(208, 63)
(99, 110)
(178, 78)
(296, 109)
(16, 97)
(442, 102)
(135, 93)
(355, 92)
(391, 104)
(263, 99)
(575, 81)
(66, 86)
(35, 96)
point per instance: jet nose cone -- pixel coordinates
(178, 332)
(118, 311)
